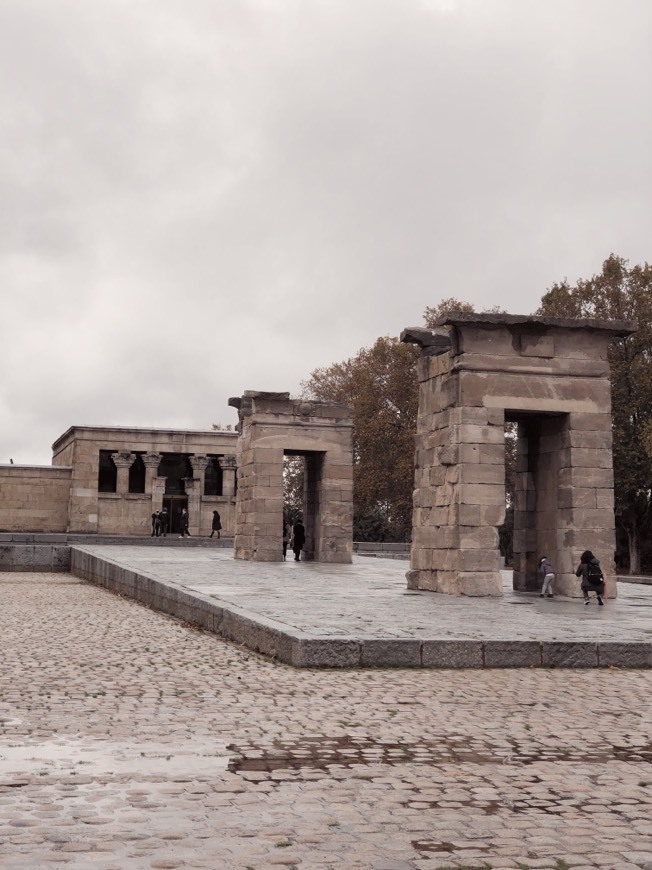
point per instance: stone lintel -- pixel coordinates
(535, 322)
(431, 341)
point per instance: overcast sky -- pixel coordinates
(199, 197)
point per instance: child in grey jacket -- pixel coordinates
(547, 574)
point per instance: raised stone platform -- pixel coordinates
(309, 614)
(36, 551)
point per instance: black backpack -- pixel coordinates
(594, 573)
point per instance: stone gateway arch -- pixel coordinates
(548, 375)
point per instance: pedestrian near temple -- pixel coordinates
(547, 576)
(165, 522)
(184, 522)
(287, 537)
(592, 577)
(154, 522)
(298, 539)
(216, 525)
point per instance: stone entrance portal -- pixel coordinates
(551, 377)
(271, 426)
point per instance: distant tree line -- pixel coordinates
(380, 384)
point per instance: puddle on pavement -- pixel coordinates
(323, 753)
(106, 758)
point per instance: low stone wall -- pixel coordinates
(26, 551)
(34, 497)
(35, 557)
(381, 550)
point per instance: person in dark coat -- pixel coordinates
(216, 525)
(592, 577)
(165, 521)
(298, 539)
(155, 522)
(184, 522)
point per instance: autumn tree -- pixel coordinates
(621, 293)
(293, 483)
(380, 385)
(432, 313)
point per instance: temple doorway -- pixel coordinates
(174, 505)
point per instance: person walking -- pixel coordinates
(165, 521)
(184, 522)
(298, 539)
(154, 522)
(592, 577)
(287, 537)
(547, 575)
(216, 524)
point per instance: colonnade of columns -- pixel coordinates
(155, 484)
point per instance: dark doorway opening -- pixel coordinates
(303, 481)
(540, 493)
(175, 504)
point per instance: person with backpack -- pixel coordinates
(592, 577)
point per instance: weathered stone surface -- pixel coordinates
(390, 653)
(552, 378)
(569, 655)
(479, 583)
(452, 654)
(269, 426)
(326, 652)
(503, 654)
(626, 655)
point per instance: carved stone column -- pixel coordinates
(199, 464)
(158, 491)
(123, 460)
(193, 492)
(152, 462)
(229, 468)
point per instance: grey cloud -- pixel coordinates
(204, 197)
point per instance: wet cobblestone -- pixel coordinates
(129, 740)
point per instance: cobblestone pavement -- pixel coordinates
(129, 740)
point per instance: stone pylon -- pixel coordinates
(271, 426)
(550, 376)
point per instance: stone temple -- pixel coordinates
(108, 480)
(476, 373)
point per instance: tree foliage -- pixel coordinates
(293, 488)
(432, 313)
(380, 385)
(621, 293)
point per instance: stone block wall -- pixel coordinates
(129, 514)
(552, 377)
(459, 494)
(271, 425)
(34, 498)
